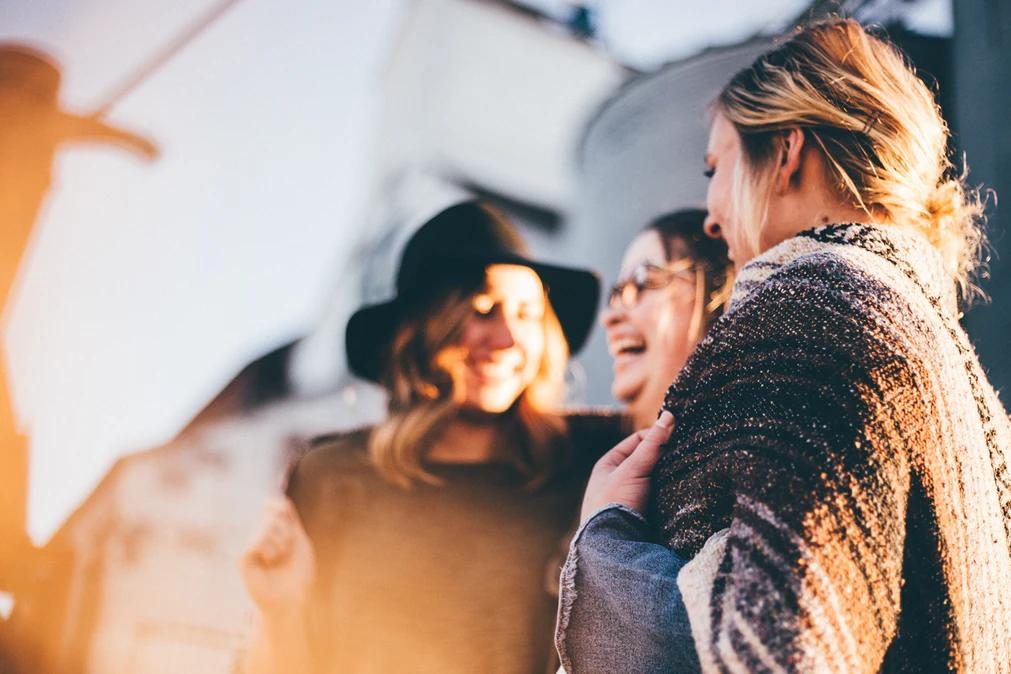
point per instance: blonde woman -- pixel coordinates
(834, 494)
(423, 544)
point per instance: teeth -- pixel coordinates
(496, 371)
(496, 374)
(623, 344)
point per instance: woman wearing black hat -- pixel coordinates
(428, 538)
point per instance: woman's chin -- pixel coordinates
(626, 392)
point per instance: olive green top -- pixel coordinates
(458, 577)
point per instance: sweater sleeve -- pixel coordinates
(789, 435)
(619, 606)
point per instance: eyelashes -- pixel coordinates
(709, 173)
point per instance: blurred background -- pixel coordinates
(175, 328)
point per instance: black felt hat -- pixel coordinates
(447, 248)
(30, 80)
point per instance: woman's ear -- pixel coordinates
(790, 159)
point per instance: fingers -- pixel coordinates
(281, 506)
(623, 474)
(645, 442)
(647, 452)
(275, 538)
(617, 454)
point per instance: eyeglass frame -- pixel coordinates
(639, 280)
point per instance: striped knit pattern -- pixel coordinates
(837, 424)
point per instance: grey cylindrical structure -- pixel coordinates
(982, 111)
(641, 156)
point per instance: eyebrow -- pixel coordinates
(502, 298)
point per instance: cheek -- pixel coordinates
(671, 336)
(531, 340)
(469, 334)
(717, 194)
(646, 318)
(712, 199)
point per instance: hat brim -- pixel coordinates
(71, 127)
(574, 295)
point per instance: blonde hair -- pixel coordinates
(425, 395)
(877, 126)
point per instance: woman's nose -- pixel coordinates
(500, 333)
(612, 315)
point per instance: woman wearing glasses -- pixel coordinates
(673, 283)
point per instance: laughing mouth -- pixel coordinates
(496, 373)
(627, 346)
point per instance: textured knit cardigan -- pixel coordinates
(839, 469)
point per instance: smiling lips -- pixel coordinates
(626, 346)
(624, 350)
(495, 371)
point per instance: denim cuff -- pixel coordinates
(619, 608)
(611, 516)
(614, 518)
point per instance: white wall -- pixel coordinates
(148, 286)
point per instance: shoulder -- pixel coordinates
(818, 327)
(820, 302)
(339, 446)
(842, 285)
(329, 458)
(819, 279)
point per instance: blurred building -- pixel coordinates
(641, 156)
(480, 98)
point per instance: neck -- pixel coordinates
(467, 440)
(809, 199)
(822, 213)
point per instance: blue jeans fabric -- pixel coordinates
(620, 609)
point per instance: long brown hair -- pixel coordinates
(877, 126)
(424, 396)
(683, 235)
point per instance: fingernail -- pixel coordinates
(666, 419)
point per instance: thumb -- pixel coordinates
(660, 432)
(646, 455)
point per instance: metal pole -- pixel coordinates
(162, 56)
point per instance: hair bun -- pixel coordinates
(953, 214)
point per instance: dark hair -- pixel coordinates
(684, 229)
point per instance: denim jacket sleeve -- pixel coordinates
(620, 609)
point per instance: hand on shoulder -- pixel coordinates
(623, 475)
(279, 566)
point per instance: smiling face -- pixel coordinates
(650, 341)
(502, 341)
(723, 159)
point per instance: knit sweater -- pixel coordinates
(839, 469)
(439, 578)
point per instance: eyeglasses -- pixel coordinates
(625, 294)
